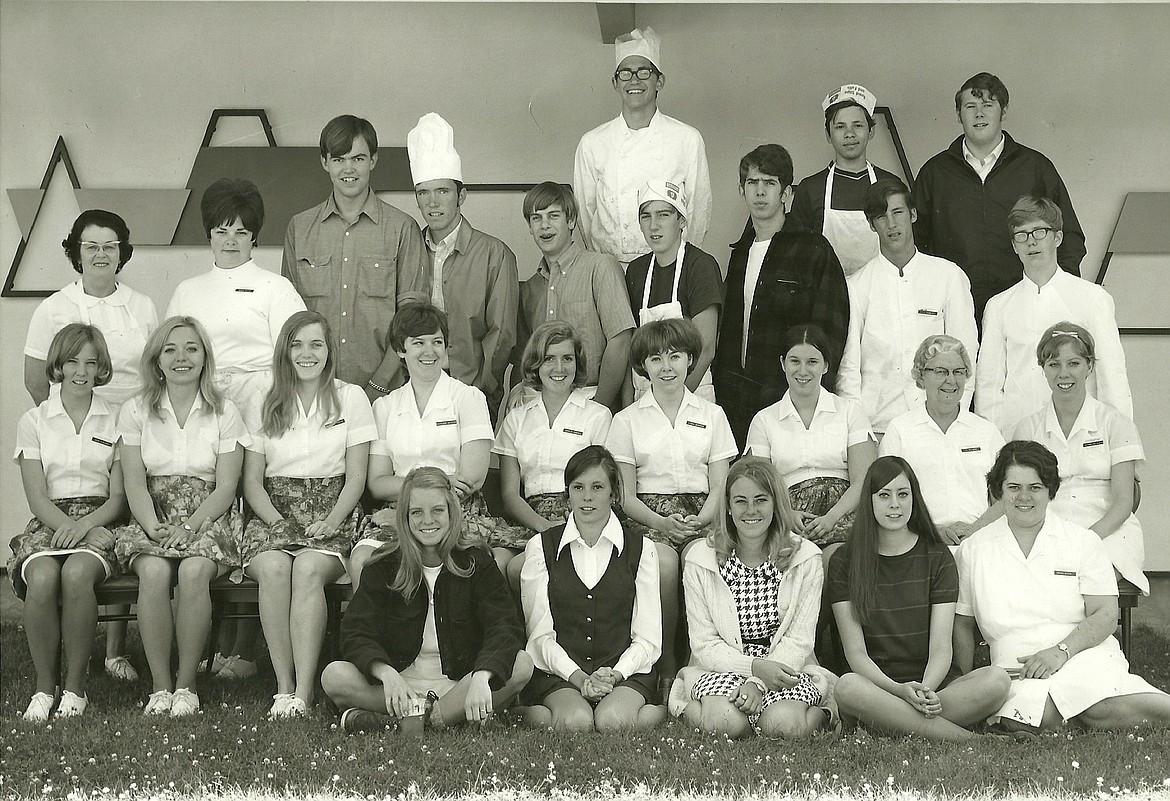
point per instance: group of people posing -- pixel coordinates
(670, 433)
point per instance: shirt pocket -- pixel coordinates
(313, 278)
(377, 276)
(929, 321)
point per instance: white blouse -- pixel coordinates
(76, 464)
(314, 447)
(190, 450)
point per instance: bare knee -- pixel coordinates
(312, 571)
(271, 567)
(154, 573)
(339, 679)
(80, 574)
(787, 723)
(196, 572)
(718, 716)
(614, 718)
(42, 578)
(849, 691)
(667, 563)
(576, 719)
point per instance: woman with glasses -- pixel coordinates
(1010, 384)
(949, 448)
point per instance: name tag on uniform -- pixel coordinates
(928, 312)
(696, 424)
(573, 431)
(1072, 573)
(1093, 442)
(446, 422)
(336, 422)
(101, 441)
(243, 289)
(973, 449)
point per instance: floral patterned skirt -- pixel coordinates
(683, 503)
(479, 526)
(302, 501)
(37, 538)
(817, 496)
(175, 499)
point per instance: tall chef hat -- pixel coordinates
(431, 147)
(639, 42)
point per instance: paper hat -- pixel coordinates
(851, 93)
(668, 192)
(639, 42)
(431, 147)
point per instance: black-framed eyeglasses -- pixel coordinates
(641, 73)
(1036, 233)
(943, 373)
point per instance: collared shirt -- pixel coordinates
(315, 447)
(951, 466)
(455, 415)
(983, 166)
(585, 290)
(822, 449)
(77, 464)
(481, 294)
(671, 459)
(1009, 384)
(243, 310)
(614, 161)
(1025, 604)
(439, 252)
(891, 312)
(1100, 437)
(125, 317)
(192, 450)
(353, 273)
(591, 563)
(542, 447)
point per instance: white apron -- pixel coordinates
(848, 232)
(667, 311)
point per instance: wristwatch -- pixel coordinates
(1063, 648)
(190, 530)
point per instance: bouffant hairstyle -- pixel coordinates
(231, 199)
(664, 336)
(420, 319)
(102, 219)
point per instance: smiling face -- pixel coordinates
(558, 368)
(350, 173)
(439, 201)
(1067, 371)
(982, 119)
(895, 228)
(764, 196)
(590, 496)
(231, 244)
(636, 93)
(944, 392)
(425, 356)
(182, 356)
(99, 263)
(893, 503)
(429, 519)
(849, 134)
(79, 372)
(1025, 498)
(551, 230)
(751, 508)
(804, 366)
(667, 371)
(308, 351)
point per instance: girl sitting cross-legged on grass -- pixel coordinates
(753, 595)
(590, 594)
(182, 447)
(66, 451)
(893, 588)
(432, 621)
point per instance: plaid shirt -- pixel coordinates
(801, 281)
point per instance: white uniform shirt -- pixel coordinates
(76, 464)
(168, 450)
(822, 449)
(242, 309)
(314, 447)
(613, 162)
(542, 447)
(1010, 385)
(1024, 605)
(125, 318)
(455, 415)
(668, 459)
(1100, 437)
(591, 563)
(890, 312)
(951, 467)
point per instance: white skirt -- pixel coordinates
(1126, 546)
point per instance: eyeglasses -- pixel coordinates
(943, 373)
(1036, 233)
(108, 248)
(642, 73)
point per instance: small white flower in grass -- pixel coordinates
(1060, 778)
(1076, 764)
(336, 777)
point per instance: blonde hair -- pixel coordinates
(781, 542)
(154, 384)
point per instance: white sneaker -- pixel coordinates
(183, 703)
(217, 663)
(159, 703)
(119, 667)
(39, 708)
(72, 705)
(287, 705)
(235, 668)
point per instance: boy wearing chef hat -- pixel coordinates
(831, 201)
(614, 160)
(468, 274)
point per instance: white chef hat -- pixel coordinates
(666, 191)
(431, 147)
(854, 93)
(639, 42)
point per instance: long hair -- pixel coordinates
(280, 404)
(781, 543)
(863, 541)
(410, 567)
(153, 382)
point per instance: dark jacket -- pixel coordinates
(477, 623)
(965, 220)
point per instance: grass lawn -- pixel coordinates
(230, 750)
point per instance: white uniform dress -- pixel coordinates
(1101, 437)
(1026, 604)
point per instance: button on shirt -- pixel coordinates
(168, 450)
(822, 449)
(671, 459)
(243, 310)
(890, 312)
(76, 464)
(983, 166)
(542, 447)
(591, 563)
(455, 415)
(439, 252)
(951, 467)
(315, 447)
(1010, 385)
(1100, 438)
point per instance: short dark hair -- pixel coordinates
(418, 319)
(548, 333)
(983, 84)
(664, 336)
(229, 199)
(595, 456)
(807, 334)
(68, 342)
(770, 160)
(1024, 453)
(877, 197)
(831, 113)
(545, 194)
(102, 219)
(338, 134)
